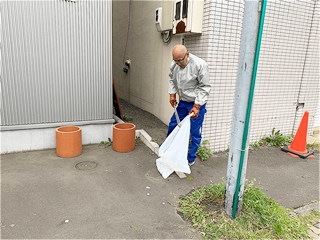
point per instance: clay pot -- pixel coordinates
(124, 136)
(68, 141)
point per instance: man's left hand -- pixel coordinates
(195, 110)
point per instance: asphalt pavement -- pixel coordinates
(104, 194)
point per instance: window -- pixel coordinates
(185, 9)
(178, 10)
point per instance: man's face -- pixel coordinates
(181, 59)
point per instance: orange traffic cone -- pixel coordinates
(299, 143)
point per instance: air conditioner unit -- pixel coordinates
(158, 19)
(163, 16)
(187, 16)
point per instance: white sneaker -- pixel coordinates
(190, 163)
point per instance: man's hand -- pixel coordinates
(195, 110)
(173, 101)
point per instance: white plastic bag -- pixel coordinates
(173, 152)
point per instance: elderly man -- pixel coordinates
(189, 77)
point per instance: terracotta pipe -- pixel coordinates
(124, 137)
(68, 141)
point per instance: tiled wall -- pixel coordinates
(288, 69)
(219, 45)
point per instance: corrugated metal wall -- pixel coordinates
(56, 61)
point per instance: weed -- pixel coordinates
(261, 217)
(107, 143)
(137, 139)
(255, 144)
(126, 118)
(203, 152)
(313, 146)
(275, 139)
(154, 140)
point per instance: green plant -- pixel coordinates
(255, 144)
(275, 139)
(137, 139)
(126, 118)
(203, 152)
(107, 143)
(261, 216)
(154, 140)
(313, 146)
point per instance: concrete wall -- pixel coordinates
(146, 83)
(44, 138)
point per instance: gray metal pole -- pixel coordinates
(250, 30)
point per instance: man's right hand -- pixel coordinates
(173, 101)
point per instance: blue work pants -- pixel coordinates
(196, 126)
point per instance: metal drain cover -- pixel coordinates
(87, 165)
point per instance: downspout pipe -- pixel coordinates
(117, 119)
(247, 122)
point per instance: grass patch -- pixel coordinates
(261, 217)
(313, 146)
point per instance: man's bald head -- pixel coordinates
(180, 55)
(179, 50)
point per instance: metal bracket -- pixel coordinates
(260, 6)
(299, 105)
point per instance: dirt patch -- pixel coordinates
(144, 120)
(212, 206)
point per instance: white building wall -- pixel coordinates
(219, 45)
(317, 118)
(146, 83)
(288, 69)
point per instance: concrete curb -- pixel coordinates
(304, 210)
(314, 230)
(147, 140)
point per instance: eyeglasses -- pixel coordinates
(181, 61)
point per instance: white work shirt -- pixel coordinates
(191, 82)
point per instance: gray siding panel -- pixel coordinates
(56, 61)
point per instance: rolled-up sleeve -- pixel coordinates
(204, 86)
